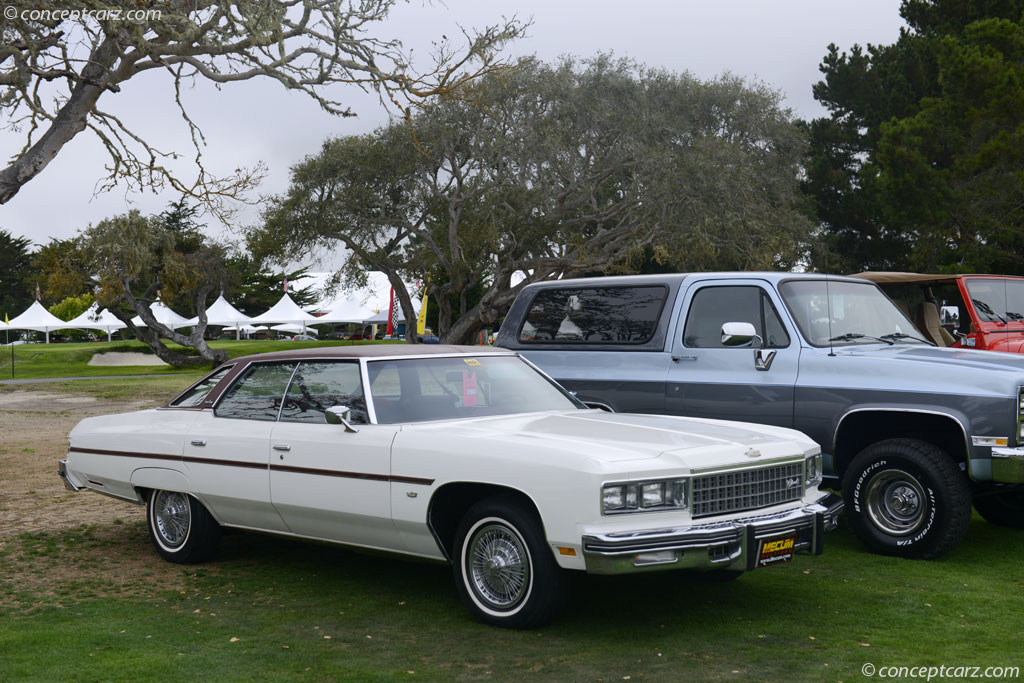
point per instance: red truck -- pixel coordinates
(969, 311)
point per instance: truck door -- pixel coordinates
(754, 382)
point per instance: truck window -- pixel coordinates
(711, 307)
(594, 315)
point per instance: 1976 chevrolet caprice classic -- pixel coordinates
(459, 454)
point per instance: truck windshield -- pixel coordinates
(997, 300)
(846, 313)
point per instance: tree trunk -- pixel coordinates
(155, 331)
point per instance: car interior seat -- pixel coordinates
(926, 317)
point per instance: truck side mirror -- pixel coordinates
(739, 334)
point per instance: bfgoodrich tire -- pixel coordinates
(908, 498)
(182, 530)
(504, 570)
(1005, 508)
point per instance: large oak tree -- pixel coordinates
(546, 172)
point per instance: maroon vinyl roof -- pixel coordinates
(370, 351)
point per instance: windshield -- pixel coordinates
(997, 300)
(846, 313)
(419, 389)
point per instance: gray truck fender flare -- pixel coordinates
(959, 419)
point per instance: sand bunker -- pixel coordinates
(117, 358)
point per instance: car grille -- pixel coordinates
(719, 494)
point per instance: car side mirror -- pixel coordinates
(340, 415)
(739, 334)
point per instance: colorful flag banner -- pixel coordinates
(421, 321)
(392, 314)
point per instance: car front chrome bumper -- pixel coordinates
(733, 545)
(1008, 465)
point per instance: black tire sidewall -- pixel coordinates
(201, 539)
(1002, 508)
(945, 501)
(545, 592)
(467, 582)
(169, 552)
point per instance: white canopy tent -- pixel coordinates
(164, 315)
(222, 313)
(244, 329)
(294, 329)
(382, 317)
(285, 311)
(347, 310)
(93, 319)
(38, 319)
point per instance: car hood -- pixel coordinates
(619, 437)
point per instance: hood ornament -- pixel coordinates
(753, 453)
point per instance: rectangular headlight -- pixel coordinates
(614, 498)
(812, 470)
(644, 496)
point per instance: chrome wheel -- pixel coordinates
(896, 502)
(499, 565)
(172, 516)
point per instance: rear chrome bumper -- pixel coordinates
(62, 470)
(733, 545)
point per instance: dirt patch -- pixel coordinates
(92, 545)
(34, 428)
(118, 358)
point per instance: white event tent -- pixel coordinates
(93, 319)
(347, 310)
(295, 329)
(223, 314)
(38, 319)
(163, 315)
(286, 311)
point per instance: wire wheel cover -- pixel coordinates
(172, 517)
(499, 565)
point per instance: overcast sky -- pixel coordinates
(779, 42)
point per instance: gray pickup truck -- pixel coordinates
(912, 434)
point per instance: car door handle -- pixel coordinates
(282, 447)
(198, 442)
(676, 359)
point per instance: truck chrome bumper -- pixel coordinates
(733, 545)
(1008, 465)
(62, 470)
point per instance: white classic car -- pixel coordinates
(465, 455)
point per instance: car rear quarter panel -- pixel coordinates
(106, 450)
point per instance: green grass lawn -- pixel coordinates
(97, 603)
(274, 608)
(37, 361)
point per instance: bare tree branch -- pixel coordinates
(53, 71)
